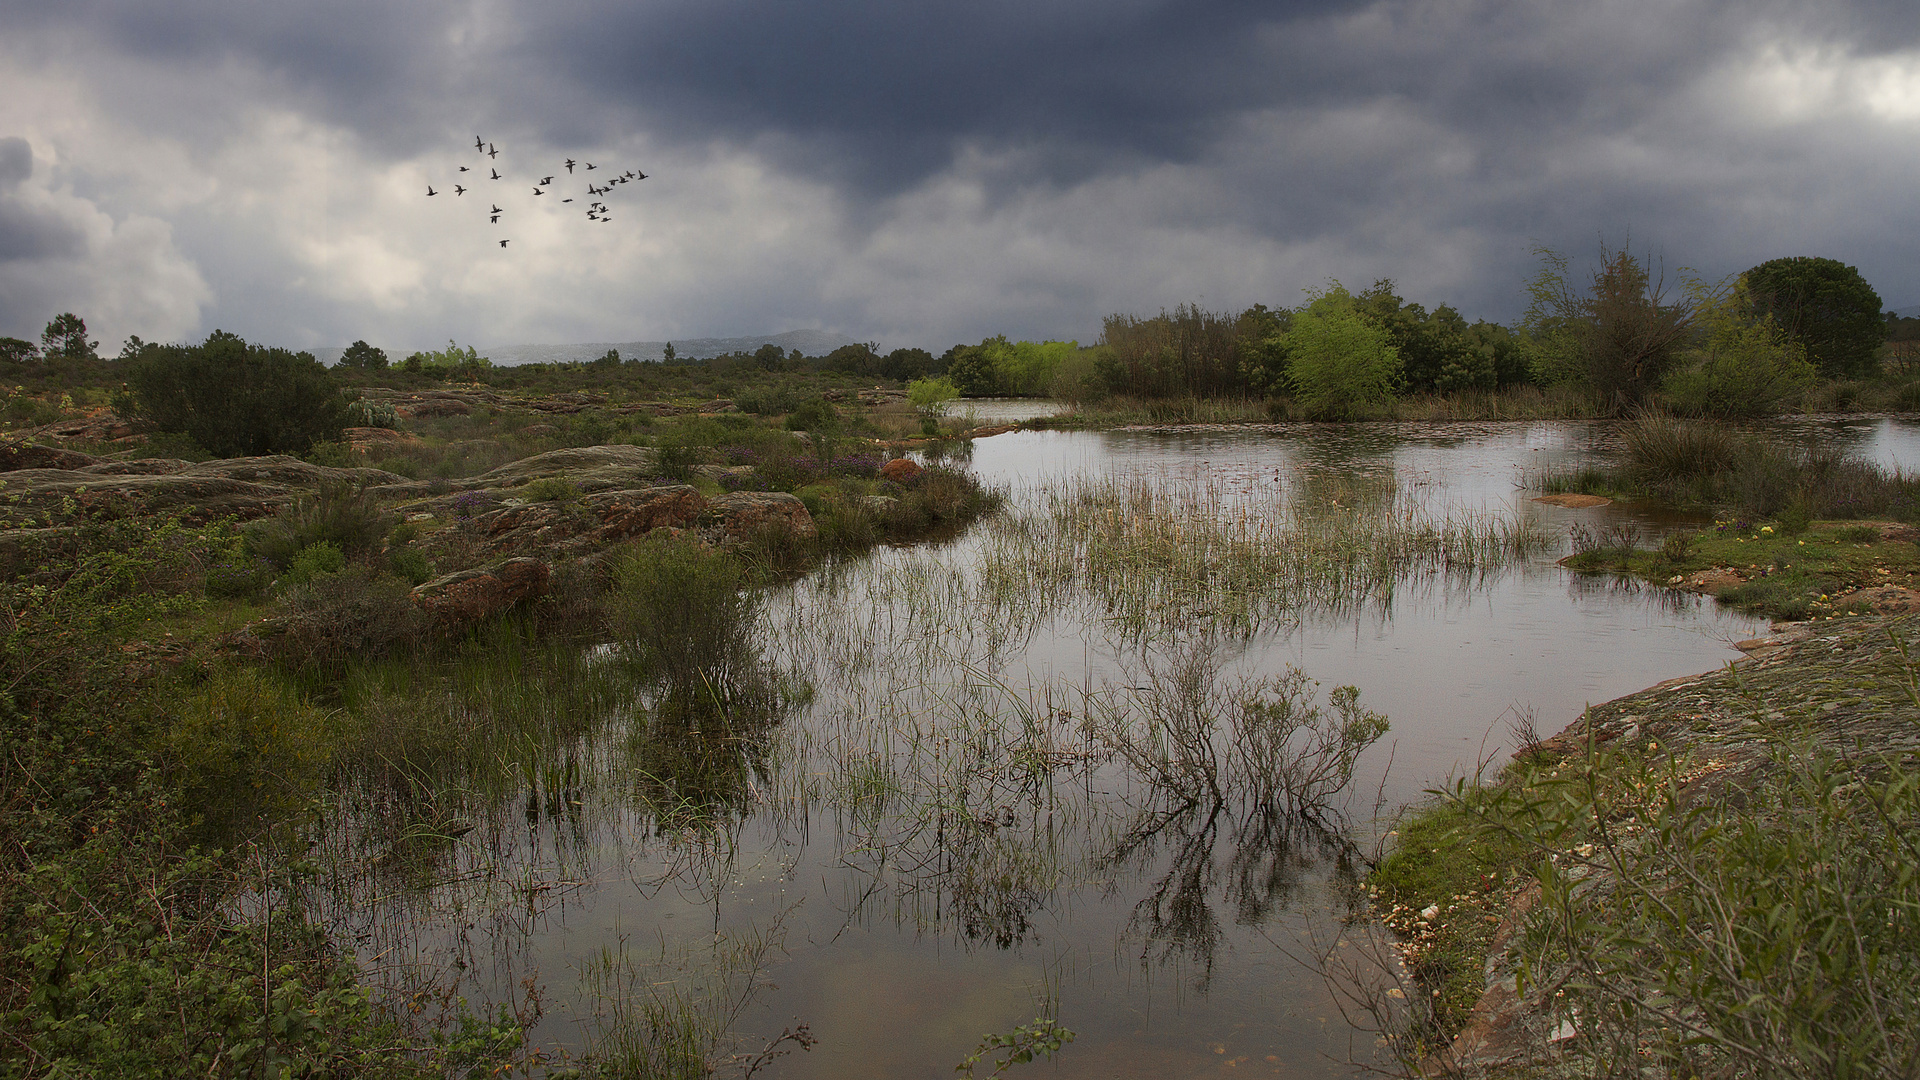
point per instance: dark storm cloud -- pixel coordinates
(29, 231)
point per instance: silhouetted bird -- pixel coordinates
(569, 165)
(496, 210)
(463, 168)
(537, 191)
(642, 176)
(495, 172)
(478, 143)
(430, 190)
(591, 165)
(503, 243)
(547, 181)
(566, 200)
(491, 152)
(496, 219)
(458, 190)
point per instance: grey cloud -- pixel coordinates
(16, 160)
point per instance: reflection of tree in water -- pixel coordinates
(1238, 780)
(1269, 857)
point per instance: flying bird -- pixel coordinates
(496, 219)
(478, 143)
(503, 243)
(463, 168)
(491, 152)
(569, 165)
(642, 176)
(591, 165)
(430, 190)
(496, 210)
(458, 190)
(546, 181)
(495, 172)
(537, 191)
(566, 200)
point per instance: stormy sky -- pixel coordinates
(917, 173)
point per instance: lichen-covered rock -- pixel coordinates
(469, 595)
(639, 511)
(590, 468)
(741, 514)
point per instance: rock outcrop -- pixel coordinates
(470, 595)
(742, 514)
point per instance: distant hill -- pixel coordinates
(810, 342)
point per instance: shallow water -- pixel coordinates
(925, 897)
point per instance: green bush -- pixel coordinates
(550, 489)
(236, 399)
(318, 558)
(1743, 366)
(353, 614)
(1339, 364)
(377, 414)
(685, 614)
(246, 752)
(409, 565)
(341, 514)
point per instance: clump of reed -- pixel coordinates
(1704, 463)
(1154, 554)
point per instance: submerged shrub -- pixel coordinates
(685, 615)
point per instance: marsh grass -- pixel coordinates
(1150, 556)
(674, 1016)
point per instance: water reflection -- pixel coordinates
(1047, 760)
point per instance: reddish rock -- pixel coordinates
(469, 595)
(744, 513)
(15, 456)
(900, 470)
(642, 510)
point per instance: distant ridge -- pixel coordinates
(809, 342)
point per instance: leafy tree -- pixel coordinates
(1618, 336)
(364, 356)
(66, 336)
(452, 362)
(1826, 306)
(237, 399)
(609, 359)
(15, 351)
(1339, 362)
(667, 355)
(1436, 352)
(975, 369)
(927, 396)
(1743, 365)
(909, 364)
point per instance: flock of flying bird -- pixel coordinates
(596, 210)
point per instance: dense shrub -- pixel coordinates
(246, 752)
(1742, 365)
(353, 614)
(237, 399)
(685, 615)
(341, 514)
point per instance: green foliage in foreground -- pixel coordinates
(121, 950)
(1780, 941)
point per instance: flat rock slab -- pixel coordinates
(1885, 600)
(1577, 502)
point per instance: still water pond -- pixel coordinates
(932, 845)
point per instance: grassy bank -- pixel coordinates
(1654, 929)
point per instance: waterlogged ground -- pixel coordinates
(975, 806)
